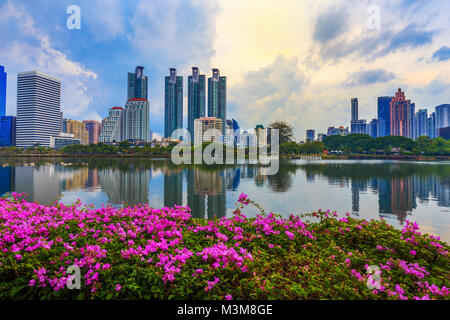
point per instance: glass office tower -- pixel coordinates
(173, 103)
(217, 95)
(196, 98)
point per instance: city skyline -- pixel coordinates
(305, 77)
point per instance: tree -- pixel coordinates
(285, 130)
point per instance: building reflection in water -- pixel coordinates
(399, 187)
(128, 186)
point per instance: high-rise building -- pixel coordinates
(38, 108)
(78, 129)
(196, 98)
(3, 77)
(402, 115)
(310, 135)
(217, 97)
(431, 125)
(337, 131)
(354, 103)
(7, 131)
(136, 120)
(112, 126)
(384, 116)
(173, 103)
(137, 84)
(442, 116)
(261, 135)
(359, 126)
(420, 123)
(93, 127)
(201, 125)
(321, 136)
(373, 128)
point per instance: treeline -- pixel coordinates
(362, 143)
(365, 144)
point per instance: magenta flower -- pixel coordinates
(118, 287)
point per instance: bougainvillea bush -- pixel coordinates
(145, 253)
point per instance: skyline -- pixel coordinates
(305, 77)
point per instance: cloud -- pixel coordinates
(330, 24)
(30, 49)
(374, 45)
(366, 77)
(269, 93)
(442, 54)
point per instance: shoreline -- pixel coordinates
(283, 157)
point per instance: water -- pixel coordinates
(394, 190)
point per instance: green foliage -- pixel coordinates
(362, 143)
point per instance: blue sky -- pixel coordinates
(300, 61)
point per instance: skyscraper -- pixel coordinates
(137, 84)
(196, 98)
(373, 128)
(384, 116)
(217, 92)
(38, 108)
(173, 103)
(420, 123)
(2, 91)
(442, 116)
(354, 103)
(93, 127)
(136, 120)
(78, 129)
(431, 125)
(310, 135)
(7, 131)
(112, 126)
(401, 112)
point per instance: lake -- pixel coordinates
(394, 190)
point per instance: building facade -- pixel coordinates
(217, 97)
(38, 108)
(204, 124)
(196, 98)
(173, 103)
(63, 140)
(343, 131)
(136, 120)
(402, 115)
(373, 128)
(359, 126)
(384, 116)
(431, 125)
(3, 78)
(442, 117)
(7, 131)
(354, 106)
(93, 127)
(111, 131)
(77, 128)
(261, 135)
(310, 135)
(420, 123)
(137, 84)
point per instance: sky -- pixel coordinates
(300, 61)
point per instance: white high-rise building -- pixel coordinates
(38, 108)
(136, 120)
(212, 125)
(112, 126)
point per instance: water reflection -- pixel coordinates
(400, 188)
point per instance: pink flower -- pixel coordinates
(18, 256)
(228, 297)
(118, 287)
(412, 252)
